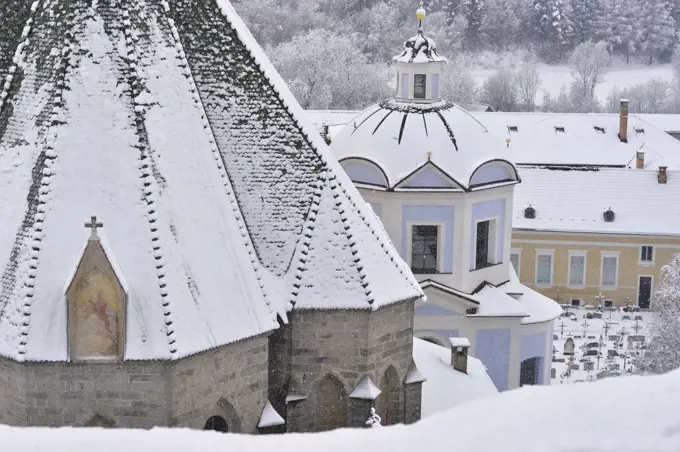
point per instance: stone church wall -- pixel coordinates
(12, 380)
(230, 381)
(346, 345)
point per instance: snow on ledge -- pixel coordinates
(459, 342)
(414, 376)
(295, 398)
(270, 417)
(366, 389)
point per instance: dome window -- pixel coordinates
(419, 86)
(609, 215)
(530, 213)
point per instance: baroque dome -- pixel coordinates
(398, 138)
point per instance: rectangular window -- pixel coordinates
(419, 86)
(577, 270)
(544, 269)
(647, 254)
(485, 244)
(514, 260)
(404, 86)
(424, 247)
(610, 270)
(434, 85)
(576, 303)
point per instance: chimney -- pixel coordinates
(662, 177)
(459, 353)
(640, 160)
(623, 121)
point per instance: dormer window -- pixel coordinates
(599, 129)
(559, 129)
(419, 86)
(609, 216)
(530, 213)
(639, 130)
(513, 129)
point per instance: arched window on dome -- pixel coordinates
(493, 172)
(364, 171)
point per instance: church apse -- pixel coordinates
(96, 306)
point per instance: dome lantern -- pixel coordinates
(419, 67)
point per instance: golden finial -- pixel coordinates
(429, 154)
(420, 13)
(507, 141)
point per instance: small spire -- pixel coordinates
(420, 14)
(429, 154)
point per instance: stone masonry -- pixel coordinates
(229, 381)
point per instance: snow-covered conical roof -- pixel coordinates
(222, 207)
(419, 48)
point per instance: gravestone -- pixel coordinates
(559, 360)
(603, 374)
(555, 337)
(614, 337)
(553, 373)
(569, 346)
(636, 338)
(638, 317)
(588, 365)
(591, 337)
(591, 352)
(614, 366)
(597, 315)
(612, 353)
(575, 367)
(577, 336)
(625, 317)
(592, 345)
(589, 315)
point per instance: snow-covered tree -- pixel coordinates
(657, 29)
(501, 24)
(473, 23)
(663, 351)
(584, 18)
(374, 420)
(553, 28)
(325, 70)
(528, 82)
(588, 62)
(500, 90)
(458, 85)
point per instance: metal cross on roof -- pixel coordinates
(93, 225)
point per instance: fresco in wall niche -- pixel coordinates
(96, 311)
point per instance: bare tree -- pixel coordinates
(528, 82)
(663, 352)
(458, 85)
(588, 62)
(500, 90)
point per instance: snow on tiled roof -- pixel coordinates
(170, 124)
(539, 307)
(586, 139)
(575, 200)
(667, 122)
(398, 136)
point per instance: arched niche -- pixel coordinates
(492, 172)
(330, 404)
(389, 401)
(364, 171)
(100, 421)
(223, 418)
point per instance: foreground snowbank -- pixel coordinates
(627, 414)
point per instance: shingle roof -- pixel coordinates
(169, 123)
(575, 200)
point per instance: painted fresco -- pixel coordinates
(96, 308)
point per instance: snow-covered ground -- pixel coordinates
(614, 355)
(558, 418)
(445, 387)
(621, 75)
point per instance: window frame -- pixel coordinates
(422, 77)
(440, 236)
(579, 302)
(518, 252)
(609, 254)
(544, 252)
(492, 245)
(650, 261)
(584, 255)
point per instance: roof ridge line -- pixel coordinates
(28, 284)
(148, 185)
(219, 160)
(365, 283)
(307, 229)
(28, 27)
